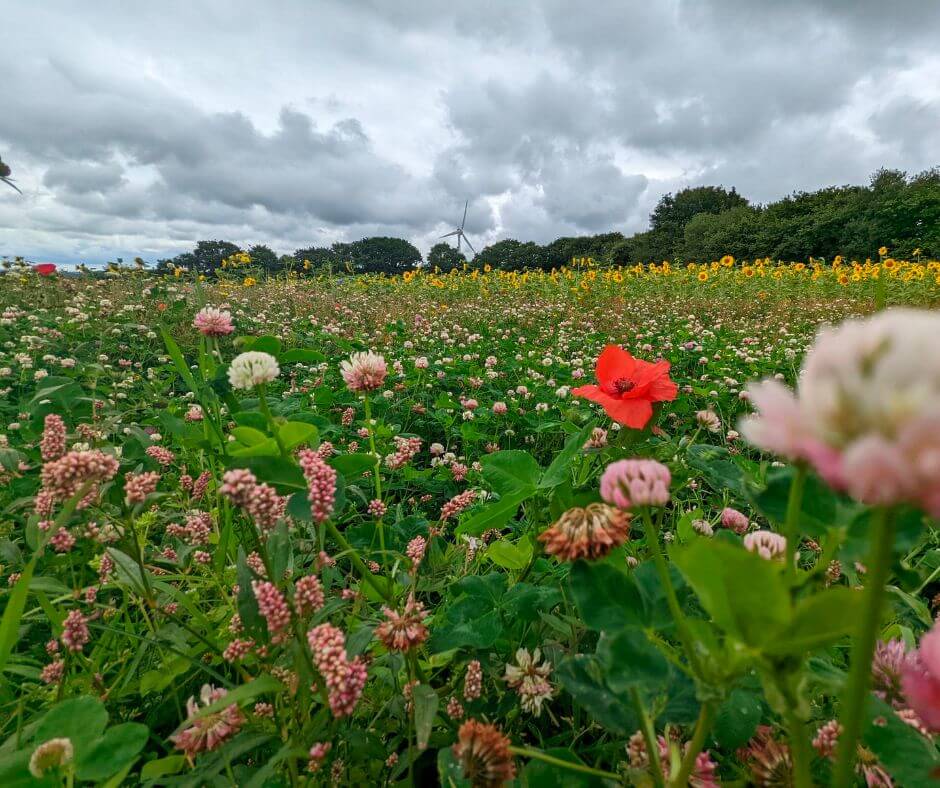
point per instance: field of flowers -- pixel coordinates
(476, 528)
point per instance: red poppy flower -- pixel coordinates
(44, 269)
(627, 387)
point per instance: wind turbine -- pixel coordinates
(5, 176)
(459, 231)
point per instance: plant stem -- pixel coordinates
(856, 691)
(649, 737)
(881, 291)
(791, 526)
(799, 750)
(379, 525)
(361, 568)
(411, 726)
(659, 560)
(799, 740)
(706, 717)
(526, 752)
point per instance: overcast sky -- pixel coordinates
(137, 128)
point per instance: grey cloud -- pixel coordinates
(82, 177)
(301, 123)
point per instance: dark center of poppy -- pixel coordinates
(623, 385)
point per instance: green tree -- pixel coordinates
(379, 254)
(674, 211)
(206, 258)
(265, 258)
(320, 259)
(709, 236)
(445, 257)
(511, 255)
(563, 250)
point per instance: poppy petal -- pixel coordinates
(590, 391)
(633, 413)
(663, 390)
(614, 362)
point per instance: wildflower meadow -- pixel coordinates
(658, 524)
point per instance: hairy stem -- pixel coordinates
(659, 560)
(854, 701)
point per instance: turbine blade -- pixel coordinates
(468, 244)
(448, 235)
(464, 214)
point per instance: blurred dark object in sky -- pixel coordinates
(5, 175)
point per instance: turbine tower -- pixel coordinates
(459, 231)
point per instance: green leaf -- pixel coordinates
(918, 607)
(13, 612)
(473, 619)
(115, 750)
(559, 470)
(511, 472)
(583, 676)
(283, 474)
(358, 641)
(425, 705)
(14, 772)
(247, 604)
(10, 459)
(818, 621)
(819, 510)
(449, 770)
(525, 601)
(630, 660)
(298, 507)
(266, 344)
(301, 355)
(161, 767)
(259, 686)
(80, 719)
(279, 550)
(489, 587)
(179, 362)
(352, 464)
(10, 624)
(267, 448)
(493, 515)
(251, 418)
(715, 464)
(509, 555)
(607, 597)
(128, 571)
(910, 758)
(737, 719)
(655, 605)
(158, 680)
(743, 593)
(295, 433)
(249, 436)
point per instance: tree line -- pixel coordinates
(697, 224)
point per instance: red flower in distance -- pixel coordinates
(45, 269)
(627, 387)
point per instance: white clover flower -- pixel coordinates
(252, 369)
(51, 754)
